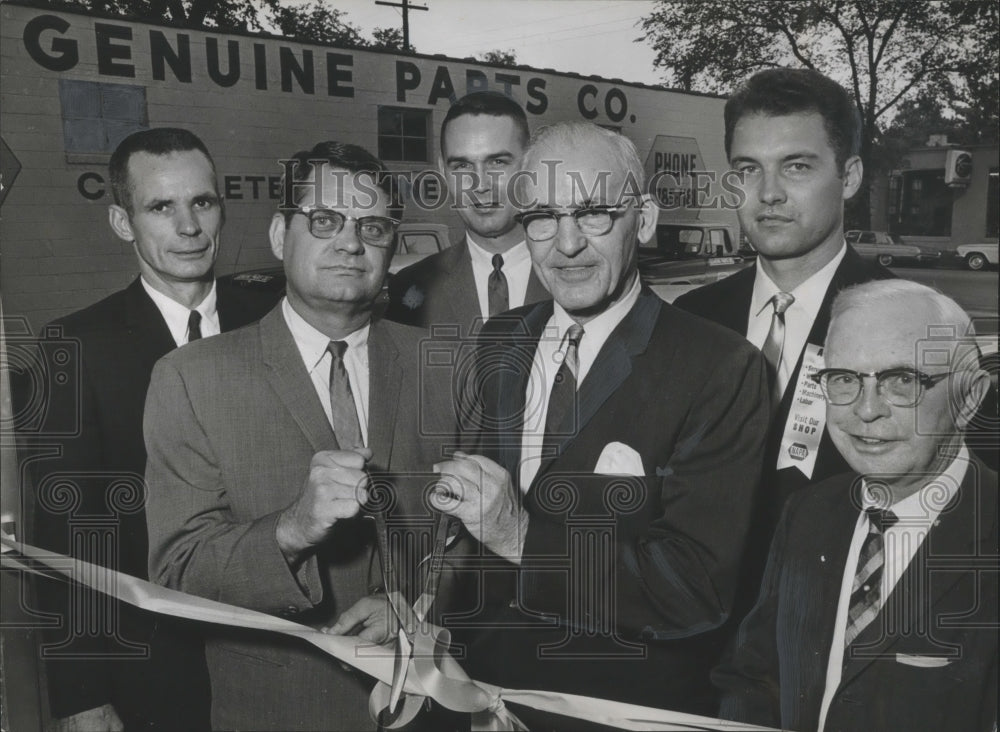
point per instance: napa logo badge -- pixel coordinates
(798, 451)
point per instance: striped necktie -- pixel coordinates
(867, 588)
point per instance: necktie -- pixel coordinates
(562, 398)
(496, 287)
(866, 590)
(776, 335)
(342, 408)
(194, 326)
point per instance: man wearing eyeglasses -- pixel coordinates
(879, 603)
(259, 444)
(617, 453)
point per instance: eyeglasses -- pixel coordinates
(376, 231)
(542, 224)
(900, 387)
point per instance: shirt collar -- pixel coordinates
(596, 331)
(514, 256)
(175, 314)
(808, 295)
(312, 344)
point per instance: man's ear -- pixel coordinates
(276, 233)
(120, 223)
(974, 389)
(854, 173)
(649, 214)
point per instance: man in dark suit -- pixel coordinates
(91, 493)
(617, 457)
(879, 603)
(793, 135)
(258, 445)
(489, 271)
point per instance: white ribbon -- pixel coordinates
(434, 672)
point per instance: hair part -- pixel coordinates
(493, 104)
(343, 156)
(154, 141)
(782, 91)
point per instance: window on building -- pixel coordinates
(403, 134)
(993, 204)
(97, 116)
(925, 205)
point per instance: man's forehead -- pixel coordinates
(561, 176)
(886, 334)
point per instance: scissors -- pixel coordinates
(405, 619)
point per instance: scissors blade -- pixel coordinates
(404, 652)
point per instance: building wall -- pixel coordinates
(58, 252)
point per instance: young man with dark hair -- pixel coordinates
(794, 136)
(168, 207)
(483, 138)
(259, 442)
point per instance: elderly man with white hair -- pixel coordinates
(879, 605)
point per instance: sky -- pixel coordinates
(590, 37)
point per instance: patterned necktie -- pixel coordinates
(776, 335)
(342, 408)
(867, 588)
(496, 286)
(562, 398)
(194, 326)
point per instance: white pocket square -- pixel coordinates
(922, 661)
(618, 458)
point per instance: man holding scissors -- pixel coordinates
(260, 446)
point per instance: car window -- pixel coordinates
(867, 237)
(690, 236)
(418, 244)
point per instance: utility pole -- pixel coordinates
(406, 7)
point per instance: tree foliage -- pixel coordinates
(886, 52)
(316, 22)
(226, 15)
(501, 57)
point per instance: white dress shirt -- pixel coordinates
(917, 513)
(176, 315)
(548, 356)
(799, 317)
(312, 347)
(516, 268)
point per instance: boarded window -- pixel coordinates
(97, 116)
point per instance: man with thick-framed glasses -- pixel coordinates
(259, 445)
(616, 456)
(879, 605)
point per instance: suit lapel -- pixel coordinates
(145, 325)
(460, 288)
(384, 382)
(611, 367)
(288, 377)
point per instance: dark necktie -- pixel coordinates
(867, 587)
(775, 341)
(342, 408)
(496, 286)
(194, 326)
(562, 398)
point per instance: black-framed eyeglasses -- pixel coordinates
(542, 224)
(324, 223)
(900, 387)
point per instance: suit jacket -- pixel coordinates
(691, 399)
(99, 460)
(727, 302)
(440, 290)
(928, 662)
(231, 427)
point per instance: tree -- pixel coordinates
(390, 39)
(501, 57)
(227, 15)
(316, 23)
(884, 51)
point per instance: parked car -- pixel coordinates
(670, 278)
(889, 248)
(691, 240)
(978, 256)
(414, 241)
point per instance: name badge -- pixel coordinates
(806, 418)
